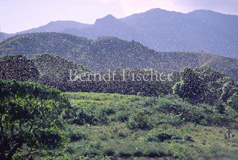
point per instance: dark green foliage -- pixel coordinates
(18, 67)
(75, 136)
(191, 86)
(208, 74)
(204, 85)
(220, 108)
(124, 154)
(228, 90)
(108, 152)
(233, 101)
(91, 116)
(85, 116)
(29, 117)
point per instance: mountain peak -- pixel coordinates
(202, 11)
(156, 11)
(105, 20)
(109, 16)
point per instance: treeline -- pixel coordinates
(203, 84)
(55, 72)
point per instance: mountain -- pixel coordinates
(58, 26)
(107, 26)
(111, 53)
(200, 30)
(161, 30)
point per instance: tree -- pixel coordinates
(29, 117)
(233, 101)
(190, 86)
(208, 74)
(228, 90)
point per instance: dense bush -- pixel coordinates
(30, 118)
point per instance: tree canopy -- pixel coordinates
(29, 117)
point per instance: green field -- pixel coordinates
(114, 126)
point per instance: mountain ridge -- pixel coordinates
(56, 26)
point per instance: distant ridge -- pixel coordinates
(57, 26)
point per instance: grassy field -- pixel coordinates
(114, 126)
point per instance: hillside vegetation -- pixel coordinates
(114, 126)
(38, 122)
(110, 53)
(18, 67)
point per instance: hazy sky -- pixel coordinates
(19, 15)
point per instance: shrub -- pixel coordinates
(85, 116)
(139, 120)
(108, 152)
(124, 154)
(160, 135)
(75, 136)
(108, 110)
(153, 153)
(122, 116)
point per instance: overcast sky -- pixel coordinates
(19, 15)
